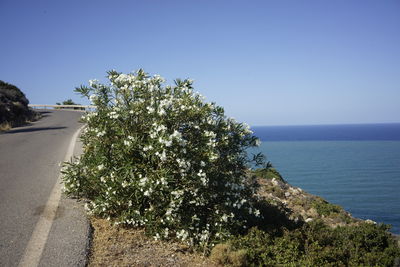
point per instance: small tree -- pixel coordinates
(69, 102)
(160, 157)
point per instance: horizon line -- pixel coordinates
(326, 124)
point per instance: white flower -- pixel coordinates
(87, 207)
(143, 181)
(102, 133)
(203, 177)
(182, 234)
(161, 112)
(213, 156)
(113, 115)
(168, 212)
(165, 142)
(166, 232)
(149, 147)
(157, 236)
(150, 109)
(93, 98)
(127, 143)
(210, 134)
(93, 82)
(100, 167)
(153, 134)
(163, 181)
(160, 128)
(158, 78)
(176, 134)
(162, 155)
(125, 78)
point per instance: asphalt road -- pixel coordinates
(29, 168)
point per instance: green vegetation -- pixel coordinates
(268, 173)
(313, 244)
(14, 109)
(159, 157)
(69, 102)
(325, 208)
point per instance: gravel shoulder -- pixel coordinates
(70, 232)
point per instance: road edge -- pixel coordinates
(34, 249)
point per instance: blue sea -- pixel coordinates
(355, 166)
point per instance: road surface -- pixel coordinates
(29, 168)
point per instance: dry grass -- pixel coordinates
(119, 246)
(224, 255)
(5, 126)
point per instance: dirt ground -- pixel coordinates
(118, 246)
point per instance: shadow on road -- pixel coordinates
(44, 114)
(26, 130)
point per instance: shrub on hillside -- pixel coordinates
(14, 109)
(160, 157)
(67, 102)
(314, 244)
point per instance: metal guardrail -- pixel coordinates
(75, 107)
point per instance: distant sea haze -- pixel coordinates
(344, 132)
(355, 166)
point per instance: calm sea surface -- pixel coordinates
(355, 166)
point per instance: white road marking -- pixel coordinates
(37, 242)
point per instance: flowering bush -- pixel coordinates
(160, 157)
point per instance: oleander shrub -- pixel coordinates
(159, 157)
(314, 244)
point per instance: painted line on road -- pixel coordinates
(37, 242)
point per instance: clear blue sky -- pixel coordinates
(265, 62)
